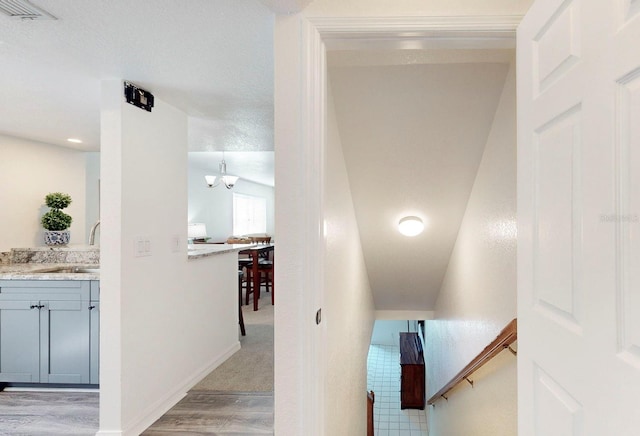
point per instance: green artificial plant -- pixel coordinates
(56, 219)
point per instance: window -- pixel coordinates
(249, 214)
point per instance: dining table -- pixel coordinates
(256, 252)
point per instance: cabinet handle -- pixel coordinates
(33, 306)
(41, 306)
(92, 307)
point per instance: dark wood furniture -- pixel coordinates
(412, 394)
(240, 317)
(371, 398)
(255, 253)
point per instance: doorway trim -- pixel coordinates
(300, 135)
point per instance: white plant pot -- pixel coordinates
(57, 237)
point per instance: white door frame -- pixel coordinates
(300, 138)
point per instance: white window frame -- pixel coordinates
(252, 218)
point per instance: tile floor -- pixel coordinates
(383, 378)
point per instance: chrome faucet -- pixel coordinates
(92, 235)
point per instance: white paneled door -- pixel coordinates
(579, 218)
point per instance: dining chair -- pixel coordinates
(240, 317)
(266, 268)
(244, 266)
(266, 271)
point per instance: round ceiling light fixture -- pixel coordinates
(410, 226)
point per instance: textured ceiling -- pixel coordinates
(412, 136)
(211, 58)
(413, 123)
(256, 166)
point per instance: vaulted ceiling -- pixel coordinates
(413, 127)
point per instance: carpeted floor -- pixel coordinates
(251, 368)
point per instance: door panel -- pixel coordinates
(65, 343)
(578, 218)
(19, 339)
(628, 141)
(94, 369)
(557, 46)
(556, 235)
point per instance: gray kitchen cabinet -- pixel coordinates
(94, 335)
(46, 331)
(64, 342)
(19, 341)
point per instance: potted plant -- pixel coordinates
(56, 222)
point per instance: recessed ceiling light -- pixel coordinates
(74, 140)
(410, 226)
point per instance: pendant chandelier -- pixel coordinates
(227, 180)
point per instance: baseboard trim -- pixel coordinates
(152, 413)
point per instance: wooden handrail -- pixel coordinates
(507, 336)
(371, 398)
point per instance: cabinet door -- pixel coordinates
(19, 341)
(64, 342)
(94, 343)
(412, 394)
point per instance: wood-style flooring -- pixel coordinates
(217, 413)
(76, 413)
(48, 413)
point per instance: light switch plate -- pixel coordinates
(175, 244)
(142, 246)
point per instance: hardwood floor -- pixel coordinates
(76, 413)
(48, 413)
(201, 412)
(217, 413)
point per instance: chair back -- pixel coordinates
(261, 239)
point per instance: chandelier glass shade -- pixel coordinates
(227, 180)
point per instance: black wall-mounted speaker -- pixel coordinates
(138, 96)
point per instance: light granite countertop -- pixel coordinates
(81, 263)
(80, 254)
(49, 271)
(198, 251)
(73, 262)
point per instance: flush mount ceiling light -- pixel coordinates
(410, 226)
(75, 140)
(228, 181)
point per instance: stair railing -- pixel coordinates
(503, 341)
(371, 398)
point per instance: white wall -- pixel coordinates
(348, 310)
(387, 331)
(92, 184)
(165, 321)
(478, 295)
(296, 176)
(30, 170)
(214, 206)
